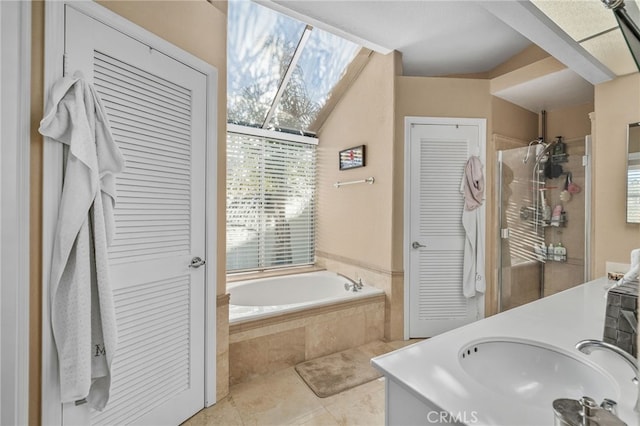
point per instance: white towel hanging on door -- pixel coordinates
(82, 310)
(472, 188)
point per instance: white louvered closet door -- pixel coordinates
(157, 110)
(438, 157)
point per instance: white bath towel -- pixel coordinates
(472, 188)
(472, 185)
(634, 271)
(82, 310)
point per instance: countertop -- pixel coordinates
(431, 371)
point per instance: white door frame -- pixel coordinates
(52, 188)
(408, 122)
(15, 121)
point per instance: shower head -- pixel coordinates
(528, 154)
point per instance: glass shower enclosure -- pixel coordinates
(542, 192)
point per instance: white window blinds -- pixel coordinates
(270, 203)
(633, 191)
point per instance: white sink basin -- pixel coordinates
(534, 373)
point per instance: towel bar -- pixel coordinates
(368, 180)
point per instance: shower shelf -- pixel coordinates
(550, 224)
(542, 257)
(556, 258)
(529, 214)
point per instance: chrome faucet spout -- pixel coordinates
(589, 345)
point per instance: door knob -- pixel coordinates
(197, 262)
(417, 245)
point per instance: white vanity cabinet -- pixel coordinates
(403, 407)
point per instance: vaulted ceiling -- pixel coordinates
(442, 38)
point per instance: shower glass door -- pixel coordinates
(541, 207)
(521, 271)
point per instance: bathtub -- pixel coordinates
(265, 297)
(278, 322)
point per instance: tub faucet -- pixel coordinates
(587, 346)
(354, 286)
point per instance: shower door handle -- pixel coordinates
(417, 245)
(196, 262)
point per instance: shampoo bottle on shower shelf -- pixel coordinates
(561, 253)
(546, 213)
(551, 252)
(556, 215)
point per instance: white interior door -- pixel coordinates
(437, 157)
(157, 110)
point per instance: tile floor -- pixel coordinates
(282, 398)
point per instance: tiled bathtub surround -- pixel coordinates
(266, 345)
(391, 282)
(222, 346)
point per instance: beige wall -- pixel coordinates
(617, 103)
(205, 37)
(352, 220)
(513, 121)
(355, 222)
(570, 123)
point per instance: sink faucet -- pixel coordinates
(588, 345)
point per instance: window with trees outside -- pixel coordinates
(280, 75)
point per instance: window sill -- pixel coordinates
(242, 276)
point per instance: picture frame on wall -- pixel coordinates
(352, 158)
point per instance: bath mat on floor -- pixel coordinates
(332, 374)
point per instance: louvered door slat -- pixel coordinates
(159, 227)
(148, 167)
(136, 139)
(147, 183)
(152, 158)
(137, 233)
(151, 194)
